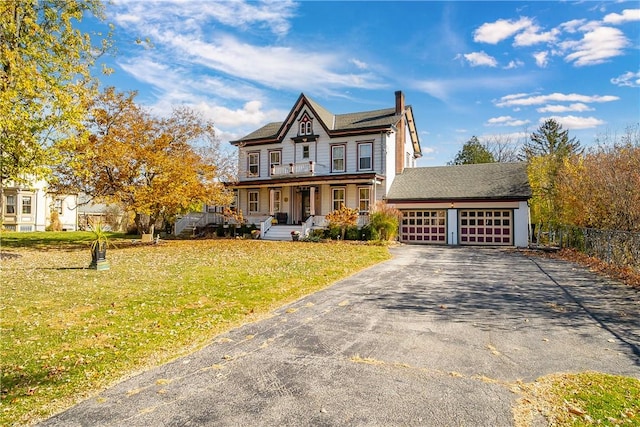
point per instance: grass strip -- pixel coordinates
(581, 399)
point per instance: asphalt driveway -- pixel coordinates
(437, 336)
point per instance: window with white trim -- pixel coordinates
(277, 200)
(338, 197)
(275, 158)
(254, 201)
(338, 154)
(365, 156)
(26, 205)
(305, 151)
(10, 205)
(364, 194)
(253, 163)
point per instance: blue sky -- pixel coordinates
(489, 69)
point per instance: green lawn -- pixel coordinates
(67, 330)
(581, 399)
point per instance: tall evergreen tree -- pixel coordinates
(551, 140)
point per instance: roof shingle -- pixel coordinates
(477, 181)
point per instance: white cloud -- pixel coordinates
(532, 36)
(573, 25)
(597, 46)
(628, 15)
(177, 83)
(524, 99)
(542, 58)
(274, 66)
(629, 79)
(506, 121)
(477, 59)
(514, 64)
(360, 64)
(502, 29)
(574, 122)
(190, 15)
(578, 106)
(251, 113)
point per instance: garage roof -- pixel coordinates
(478, 181)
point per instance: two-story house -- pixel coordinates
(308, 165)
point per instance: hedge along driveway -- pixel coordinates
(436, 336)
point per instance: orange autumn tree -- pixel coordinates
(343, 218)
(602, 188)
(144, 163)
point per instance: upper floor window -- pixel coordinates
(26, 205)
(338, 153)
(253, 166)
(365, 156)
(305, 151)
(11, 205)
(275, 158)
(57, 205)
(306, 125)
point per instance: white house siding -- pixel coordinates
(42, 204)
(390, 160)
(409, 158)
(521, 225)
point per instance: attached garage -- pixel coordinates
(486, 227)
(484, 204)
(424, 226)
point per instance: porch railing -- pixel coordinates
(303, 168)
(197, 219)
(265, 226)
(306, 226)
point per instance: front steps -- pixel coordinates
(281, 232)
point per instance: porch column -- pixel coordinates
(312, 201)
(271, 201)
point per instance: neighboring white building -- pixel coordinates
(29, 207)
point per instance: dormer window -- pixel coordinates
(306, 125)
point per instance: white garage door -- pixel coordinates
(423, 226)
(486, 227)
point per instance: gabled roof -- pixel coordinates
(334, 124)
(468, 182)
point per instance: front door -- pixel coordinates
(306, 204)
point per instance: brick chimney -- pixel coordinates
(400, 135)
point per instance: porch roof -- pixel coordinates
(361, 178)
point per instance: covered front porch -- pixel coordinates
(276, 204)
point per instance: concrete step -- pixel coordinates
(281, 232)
